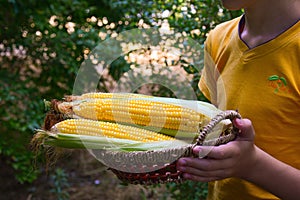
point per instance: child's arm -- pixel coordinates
(242, 159)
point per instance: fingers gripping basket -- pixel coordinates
(159, 166)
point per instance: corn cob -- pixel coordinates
(112, 130)
(141, 112)
(102, 95)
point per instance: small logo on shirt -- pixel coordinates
(279, 84)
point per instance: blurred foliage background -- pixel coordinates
(43, 43)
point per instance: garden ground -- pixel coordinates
(86, 177)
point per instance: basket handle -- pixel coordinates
(228, 114)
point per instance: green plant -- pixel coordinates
(60, 184)
(187, 190)
(39, 58)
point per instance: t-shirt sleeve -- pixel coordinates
(207, 83)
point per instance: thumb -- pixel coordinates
(246, 129)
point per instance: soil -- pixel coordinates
(87, 179)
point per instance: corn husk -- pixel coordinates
(74, 141)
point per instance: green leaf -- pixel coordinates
(273, 78)
(283, 80)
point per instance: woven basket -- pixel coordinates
(159, 166)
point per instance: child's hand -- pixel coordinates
(230, 160)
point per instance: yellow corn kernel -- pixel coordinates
(141, 112)
(102, 95)
(108, 129)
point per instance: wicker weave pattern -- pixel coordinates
(163, 173)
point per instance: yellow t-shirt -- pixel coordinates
(263, 84)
